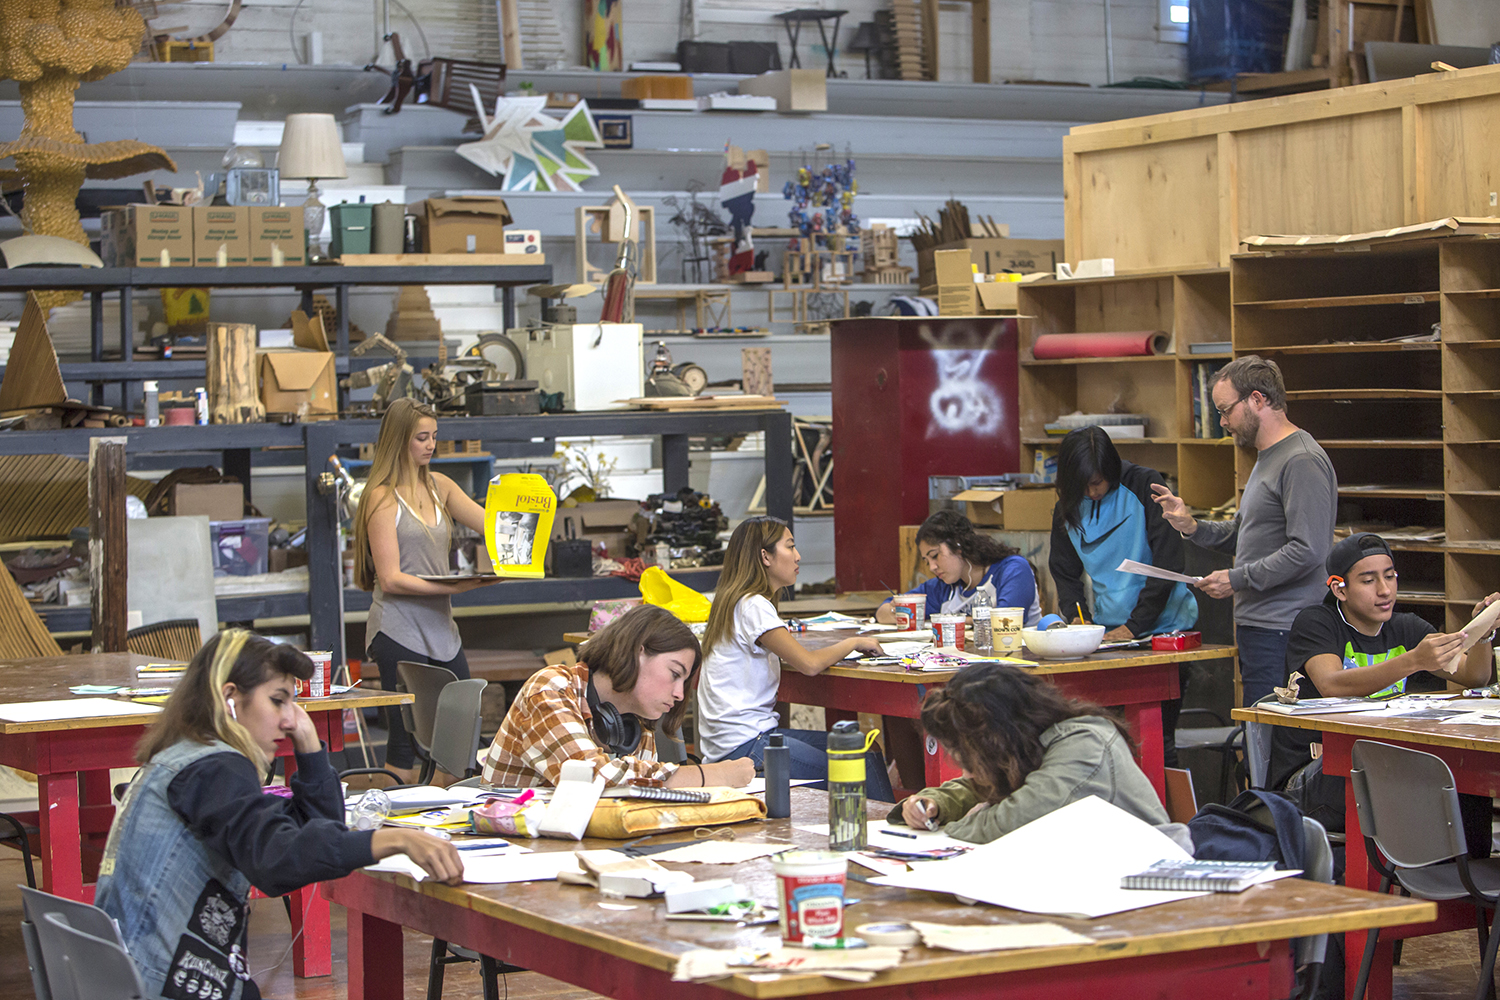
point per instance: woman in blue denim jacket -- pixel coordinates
(196, 831)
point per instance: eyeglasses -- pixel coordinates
(1224, 413)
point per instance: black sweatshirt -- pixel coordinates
(280, 844)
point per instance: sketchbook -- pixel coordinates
(1324, 706)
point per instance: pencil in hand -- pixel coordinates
(1082, 620)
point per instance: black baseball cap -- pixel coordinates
(1344, 554)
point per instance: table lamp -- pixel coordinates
(312, 148)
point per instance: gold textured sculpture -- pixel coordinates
(49, 47)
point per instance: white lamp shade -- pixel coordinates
(311, 147)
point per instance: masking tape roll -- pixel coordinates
(892, 935)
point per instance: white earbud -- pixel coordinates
(229, 704)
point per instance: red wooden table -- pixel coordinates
(1471, 752)
(1227, 948)
(72, 759)
(1136, 680)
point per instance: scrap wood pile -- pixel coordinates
(47, 496)
(953, 224)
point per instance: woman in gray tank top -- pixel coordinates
(402, 532)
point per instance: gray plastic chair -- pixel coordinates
(94, 968)
(1258, 748)
(46, 950)
(1409, 814)
(455, 738)
(1222, 739)
(425, 684)
(1310, 951)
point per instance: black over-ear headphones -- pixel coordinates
(619, 731)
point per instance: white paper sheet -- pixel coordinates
(71, 708)
(881, 835)
(1069, 862)
(491, 869)
(1146, 569)
(757, 784)
(994, 937)
(718, 852)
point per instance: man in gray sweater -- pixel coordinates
(1283, 530)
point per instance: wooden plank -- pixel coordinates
(1228, 175)
(1126, 195)
(1413, 180)
(1342, 301)
(107, 543)
(930, 39)
(233, 388)
(1389, 95)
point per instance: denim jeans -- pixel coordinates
(809, 753)
(1262, 660)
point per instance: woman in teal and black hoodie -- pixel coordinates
(1104, 514)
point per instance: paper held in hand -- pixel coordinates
(1478, 629)
(1146, 569)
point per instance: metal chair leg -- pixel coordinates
(1486, 986)
(489, 977)
(1364, 964)
(435, 969)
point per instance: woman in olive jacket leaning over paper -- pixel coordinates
(1025, 749)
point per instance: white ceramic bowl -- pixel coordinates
(1063, 643)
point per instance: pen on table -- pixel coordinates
(899, 833)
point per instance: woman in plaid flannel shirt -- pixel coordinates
(639, 666)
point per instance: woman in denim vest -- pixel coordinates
(196, 829)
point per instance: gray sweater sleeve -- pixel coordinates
(1309, 504)
(1218, 535)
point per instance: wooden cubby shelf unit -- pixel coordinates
(1193, 307)
(1330, 318)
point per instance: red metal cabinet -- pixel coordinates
(913, 397)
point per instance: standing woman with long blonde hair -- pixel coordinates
(744, 647)
(402, 532)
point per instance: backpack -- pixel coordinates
(1318, 795)
(1256, 826)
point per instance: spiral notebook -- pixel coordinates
(658, 794)
(1197, 876)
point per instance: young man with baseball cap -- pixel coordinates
(1353, 646)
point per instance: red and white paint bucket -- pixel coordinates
(948, 631)
(810, 892)
(322, 679)
(910, 610)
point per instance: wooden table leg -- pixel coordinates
(62, 862)
(1145, 722)
(312, 955)
(375, 958)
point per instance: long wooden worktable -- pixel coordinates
(1219, 946)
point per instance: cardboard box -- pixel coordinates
(607, 521)
(221, 225)
(1013, 510)
(300, 382)
(466, 224)
(794, 89)
(955, 283)
(217, 501)
(281, 227)
(135, 235)
(999, 296)
(994, 256)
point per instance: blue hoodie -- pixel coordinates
(1126, 524)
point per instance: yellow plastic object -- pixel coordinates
(683, 601)
(185, 308)
(518, 512)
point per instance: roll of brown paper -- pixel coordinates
(1051, 346)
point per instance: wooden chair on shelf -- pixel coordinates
(178, 639)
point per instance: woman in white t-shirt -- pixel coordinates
(743, 650)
